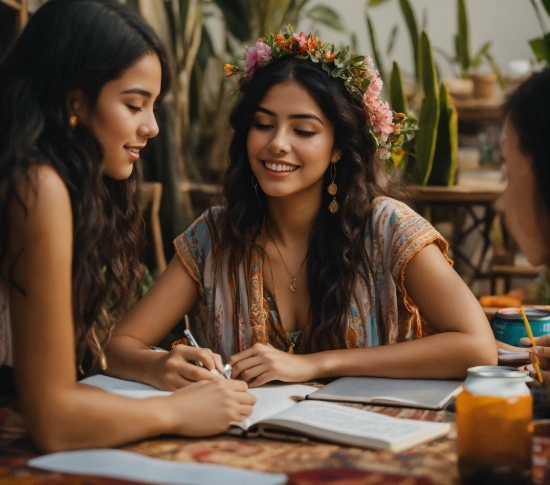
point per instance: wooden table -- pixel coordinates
(472, 202)
(305, 462)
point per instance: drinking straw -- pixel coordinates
(536, 363)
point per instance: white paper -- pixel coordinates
(136, 390)
(132, 466)
(272, 399)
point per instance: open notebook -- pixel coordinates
(414, 393)
(276, 415)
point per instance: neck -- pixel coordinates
(291, 219)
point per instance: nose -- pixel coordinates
(149, 127)
(279, 142)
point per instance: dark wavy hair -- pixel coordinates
(68, 45)
(337, 256)
(528, 108)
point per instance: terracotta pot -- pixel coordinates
(460, 87)
(484, 85)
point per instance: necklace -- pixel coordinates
(292, 286)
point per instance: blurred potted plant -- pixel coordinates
(468, 65)
(541, 45)
(431, 158)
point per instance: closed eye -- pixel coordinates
(133, 109)
(262, 126)
(305, 134)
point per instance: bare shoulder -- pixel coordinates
(44, 196)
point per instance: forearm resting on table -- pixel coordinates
(130, 359)
(85, 417)
(442, 356)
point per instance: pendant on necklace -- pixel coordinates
(293, 284)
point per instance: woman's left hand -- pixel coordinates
(542, 351)
(262, 363)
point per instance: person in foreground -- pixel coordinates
(310, 269)
(526, 200)
(76, 106)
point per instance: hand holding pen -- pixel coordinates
(193, 343)
(180, 366)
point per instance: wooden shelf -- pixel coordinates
(479, 110)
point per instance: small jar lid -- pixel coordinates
(496, 371)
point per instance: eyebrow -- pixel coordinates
(292, 117)
(142, 92)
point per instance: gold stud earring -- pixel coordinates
(332, 189)
(73, 121)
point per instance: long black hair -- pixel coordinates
(76, 45)
(336, 254)
(528, 108)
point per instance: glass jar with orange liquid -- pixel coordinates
(493, 417)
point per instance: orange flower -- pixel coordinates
(230, 69)
(312, 43)
(329, 56)
(280, 41)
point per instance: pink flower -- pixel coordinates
(302, 40)
(381, 118)
(384, 154)
(375, 87)
(367, 61)
(256, 56)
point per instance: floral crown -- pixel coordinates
(357, 73)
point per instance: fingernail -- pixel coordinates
(536, 350)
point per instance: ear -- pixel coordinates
(77, 103)
(336, 155)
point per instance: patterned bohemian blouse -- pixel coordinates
(381, 313)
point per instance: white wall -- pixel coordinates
(509, 24)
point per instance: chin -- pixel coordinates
(119, 175)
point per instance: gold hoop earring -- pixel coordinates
(332, 189)
(255, 184)
(73, 121)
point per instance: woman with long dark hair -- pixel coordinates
(77, 94)
(526, 200)
(311, 267)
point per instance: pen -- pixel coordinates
(193, 343)
(536, 363)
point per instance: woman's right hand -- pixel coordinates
(208, 408)
(177, 368)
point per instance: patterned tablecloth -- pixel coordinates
(306, 462)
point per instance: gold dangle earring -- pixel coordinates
(255, 184)
(73, 121)
(332, 189)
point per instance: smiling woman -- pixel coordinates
(311, 268)
(75, 111)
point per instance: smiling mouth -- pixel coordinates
(279, 167)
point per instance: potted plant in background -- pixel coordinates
(541, 45)
(431, 158)
(482, 83)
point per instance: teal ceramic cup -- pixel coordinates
(508, 326)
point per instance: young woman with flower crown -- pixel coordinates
(311, 268)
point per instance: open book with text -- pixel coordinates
(276, 414)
